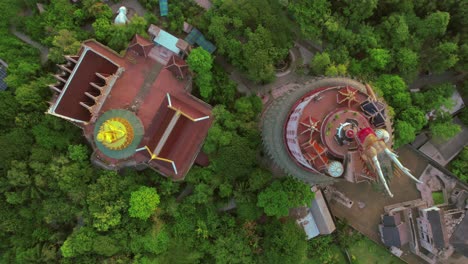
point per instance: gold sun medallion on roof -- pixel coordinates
(115, 133)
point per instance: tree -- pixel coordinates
(407, 62)
(459, 166)
(247, 108)
(232, 248)
(435, 97)
(107, 199)
(311, 16)
(234, 161)
(201, 62)
(404, 133)
(462, 64)
(443, 127)
(105, 246)
(442, 57)
(8, 107)
(357, 11)
(143, 203)
(280, 196)
(394, 90)
(319, 63)
(284, 243)
(20, 74)
(394, 30)
(259, 56)
(64, 43)
(80, 242)
(378, 59)
(102, 28)
(433, 26)
(414, 116)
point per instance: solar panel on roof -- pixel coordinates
(3, 74)
(163, 7)
(378, 120)
(369, 107)
(193, 36)
(206, 45)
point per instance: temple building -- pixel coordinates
(135, 110)
(330, 129)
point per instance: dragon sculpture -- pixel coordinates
(374, 151)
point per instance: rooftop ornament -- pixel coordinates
(371, 147)
(118, 133)
(121, 18)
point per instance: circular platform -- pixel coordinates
(129, 132)
(339, 128)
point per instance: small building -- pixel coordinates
(196, 37)
(432, 230)
(3, 75)
(205, 4)
(163, 7)
(443, 152)
(459, 239)
(167, 44)
(316, 219)
(140, 46)
(393, 232)
(178, 67)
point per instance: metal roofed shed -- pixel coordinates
(167, 40)
(459, 238)
(163, 7)
(196, 37)
(439, 233)
(394, 235)
(206, 45)
(193, 36)
(3, 74)
(308, 224)
(321, 214)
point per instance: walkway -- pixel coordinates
(245, 86)
(43, 50)
(448, 76)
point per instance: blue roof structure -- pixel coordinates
(193, 36)
(206, 45)
(196, 37)
(163, 7)
(3, 74)
(167, 40)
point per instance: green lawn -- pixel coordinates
(367, 252)
(438, 198)
(336, 256)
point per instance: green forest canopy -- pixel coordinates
(56, 207)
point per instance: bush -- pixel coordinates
(143, 203)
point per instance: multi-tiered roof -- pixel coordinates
(97, 86)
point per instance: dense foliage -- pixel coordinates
(459, 166)
(390, 43)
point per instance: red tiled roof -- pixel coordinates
(85, 72)
(142, 87)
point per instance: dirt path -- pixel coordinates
(448, 76)
(44, 50)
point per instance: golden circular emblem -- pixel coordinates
(115, 133)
